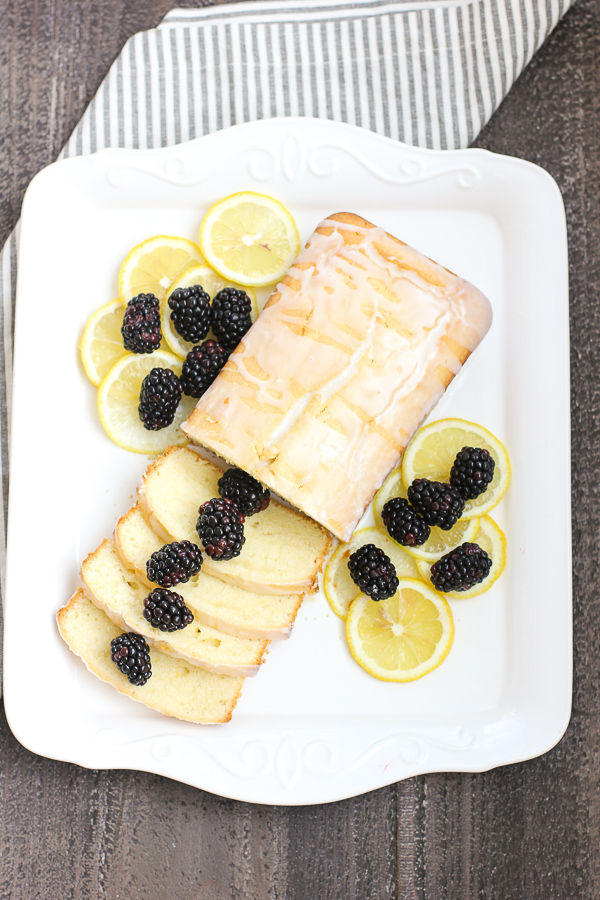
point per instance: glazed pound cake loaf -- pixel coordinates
(352, 351)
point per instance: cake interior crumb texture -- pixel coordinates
(176, 688)
(284, 550)
(214, 602)
(115, 589)
(353, 349)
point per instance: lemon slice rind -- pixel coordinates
(435, 461)
(156, 264)
(415, 625)
(338, 586)
(118, 399)
(249, 238)
(101, 343)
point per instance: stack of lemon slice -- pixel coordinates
(245, 240)
(411, 633)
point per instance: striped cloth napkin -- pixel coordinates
(426, 72)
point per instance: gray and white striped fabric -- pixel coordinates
(426, 72)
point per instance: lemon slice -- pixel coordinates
(439, 541)
(102, 344)
(401, 638)
(432, 452)
(212, 284)
(491, 539)
(154, 265)
(249, 238)
(339, 588)
(119, 397)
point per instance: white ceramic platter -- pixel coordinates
(312, 727)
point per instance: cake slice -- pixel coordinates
(284, 550)
(116, 591)
(175, 688)
(214, 602)
(353, 349)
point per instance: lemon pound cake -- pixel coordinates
(115, 590)
(213, 602)
(284, 550)
(175, 688)
(353, 349)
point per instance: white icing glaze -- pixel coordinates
(337, 373)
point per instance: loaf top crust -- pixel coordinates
(353, 349)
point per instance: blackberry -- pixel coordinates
(247, 493)
(438, 503)
(131, 655)
(141, 324)
(190, 313)
(231, 316)
(202, 365)
(174, 564)
(220, 527)
(472, 472)
(404, 524)
(461, 569)
(372, 570)
(166, 610)
(159, 399)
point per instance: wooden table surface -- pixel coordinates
(521, 832)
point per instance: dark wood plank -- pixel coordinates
(524, 831)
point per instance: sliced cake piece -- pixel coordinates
(115, 590)
(214, 602)
(284, 550)
(353, 349)
(175, 687)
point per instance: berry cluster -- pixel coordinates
(220, 524)
(202, 365)
(373, 572)
(141, 330)
(436, 504)
(472, 472)
(244, 491)
(229, 314)
(159, 399)
(461, 569)
(220, 527)
(166, 610)
(231, 317)
(131, 655)
(174, 564)
(192, 315)
(439, 504)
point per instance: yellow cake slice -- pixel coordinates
(117, 592)
(353, 349)
(284, 550)
(213, 602)
(175, 688)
